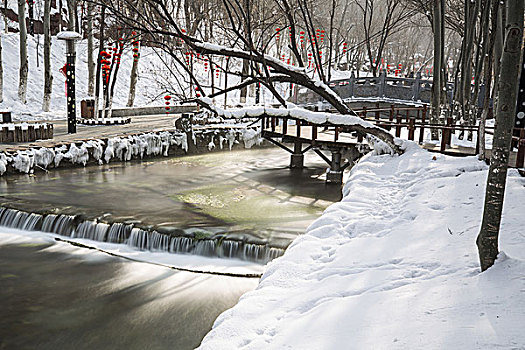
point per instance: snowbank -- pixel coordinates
(394, 265)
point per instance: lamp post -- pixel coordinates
(70, 38)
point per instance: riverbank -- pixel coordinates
(394, 265)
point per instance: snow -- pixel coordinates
(69, 35)
(122, 148)
(394, 265)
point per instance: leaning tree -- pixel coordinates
(245, 36)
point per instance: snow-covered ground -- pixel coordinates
(394, 265)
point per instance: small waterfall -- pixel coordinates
(20, 220)
(206, 247)
(139, 239)
(119, 233)
(181, 245)
(66, 225)
(60, 224)
(91, 230)
(159, 242)
(229, 249)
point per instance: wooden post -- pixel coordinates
(411, 128)
(273, 123)
(444, 138)
(18, 134)
(378, 114)
(450, 131)
(314, 132)
(359, 138)
(31, 132)
(391, 117)
(262, 123)
(38, 132)
(477, 140)
(520, 157)
(298, 123)
(336, 134)
(364, 112)
(285, 126)
(423, 121)
(399, 120)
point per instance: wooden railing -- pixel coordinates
(410, 119)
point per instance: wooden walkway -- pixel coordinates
(406, 122)
(139, 124)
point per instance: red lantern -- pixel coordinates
(167, 108)
(167, 97)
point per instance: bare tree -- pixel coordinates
(22, 82)
(387, 15)
(1, 73)
(157, 21)
(90, 48)
(437, 24)
(48, 77)
(487, 240)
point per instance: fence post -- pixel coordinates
(450, 131)
(423, 121)
(285, 126)
(382, 83)
(399, 120)
(411, 128)
(391, 117)
(444, 138)
(352, 84)
(417, 87)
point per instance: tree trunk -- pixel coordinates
(100, 49)
(72, 15)
(22, 83)
(487, 77)
(90, 47)
(1, 73)
(133, 80)
(487, 240)
(244, 75)
(438, 55)
(48, 77)
(6, 23)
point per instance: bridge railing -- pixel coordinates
(409, 89)
(395, 119)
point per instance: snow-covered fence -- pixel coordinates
(25, 132)
(126, 148)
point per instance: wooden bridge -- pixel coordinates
(345, 146)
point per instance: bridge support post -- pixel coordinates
(297, 157)
(335, 173)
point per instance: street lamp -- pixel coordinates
(70, 37)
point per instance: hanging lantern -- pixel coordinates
(167, 97)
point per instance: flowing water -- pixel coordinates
(242, 204)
